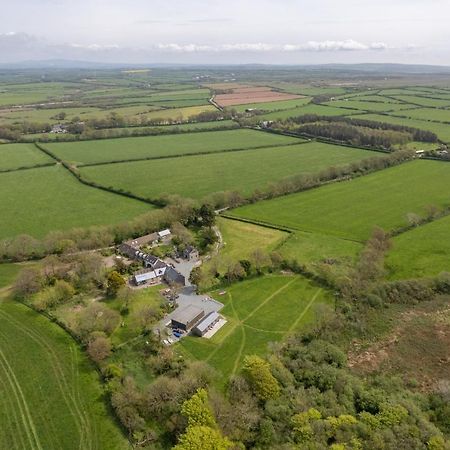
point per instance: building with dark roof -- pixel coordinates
(186, 318)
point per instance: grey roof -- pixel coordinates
(172, 275)
(207, 321)
(140, 277)
(186, 314)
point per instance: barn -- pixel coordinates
(206, 323)
(186, 318)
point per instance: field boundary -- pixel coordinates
(37, 166)
(91, 184)
(209, 152)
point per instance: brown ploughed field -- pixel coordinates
(252, 94)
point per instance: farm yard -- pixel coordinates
(242, 171)
(258, 311)
(51, 394)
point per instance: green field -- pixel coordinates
(351, 209)
(243, 171)
(258, 312)
(321, 110)
(424, 101)
(241, 239)
(369, 106)
(37, 201)
(274, 106)
(311, 249)
(167, 145)
(298, 88)
(51, 395)
(423, 251)
(28, 93)
(8, 273)
(14, 156)
(440, 129)
(438, 115)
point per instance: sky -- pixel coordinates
(226, 31)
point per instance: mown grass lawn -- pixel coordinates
(166, 145)
(243, 171)
(351, 209)
(37, 201)
(258, 311)
(51, 395)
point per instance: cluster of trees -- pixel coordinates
(355, 135)
(355, 131)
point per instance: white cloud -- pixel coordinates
(315, 46)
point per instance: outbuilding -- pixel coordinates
(207, 323)
(186, 318)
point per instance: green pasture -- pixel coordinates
(37, 201)
(106, 150)
(274, 106)
(258, 312)
(438, 115)
(241, 239)
(304, 89)
(368, 106)
(421, 252)
(351, 209)
(424, 101)
(51, 395)
(243, 171)
(8, 273)
(14, 156)
(321, 110)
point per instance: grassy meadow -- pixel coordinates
(368, 106)
(14, 156)
(352, 208)
(107, 150)
(37, 201)
(423, 251)
(321, 110)
(258, 312)
(242, 171)
(51, 395)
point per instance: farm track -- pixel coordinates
(20, 401)
(70, 397)
(241, 324)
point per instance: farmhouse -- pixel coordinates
(160, 269)
(186, 318)
(206, 323)
(190, 253)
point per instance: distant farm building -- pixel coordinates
(190, 253)
(186, 318)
